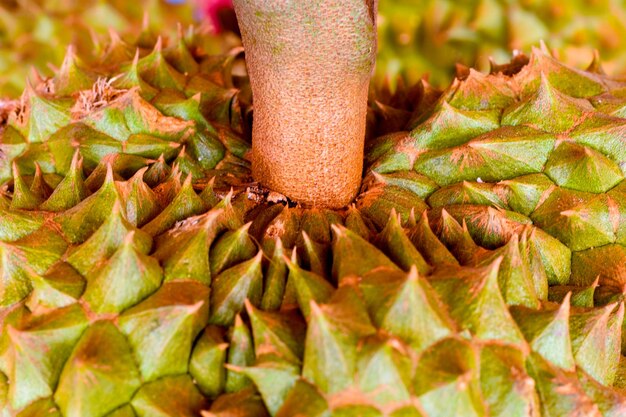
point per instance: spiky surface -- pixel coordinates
(36, 33)
(432, 36)
(142, 274)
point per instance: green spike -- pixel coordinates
(316, 255)
(23, 197)
(206, 365)
(16, 224)
(596, 340)
(568, 80)
(548, 333)
(420, 185)
(609, 400)
(555, 257)
(482, 92)
(232, 287)
(175, 104)
(185, 204)
(14, 315)
(131, 114)
(241, 354)
(377, 203)
(131, 78)
(582, 168)
(547, 109)
(42, 116)
(515, 278)
(497, 155)
(79, 222)
(429, 245)
(12, 145)
(173, 396)
(316, 225)
(602, 135)
(188, 165)
(384, 372)
(395, 243)
(308, 286)
(458, 240)
(205, 149)
(105, 241)
(98, 176)
(278, 334)
(184, 252)
(140, 202)
(356, 223)
(604, 262)
(70, 191)
(158, 72)
(506, 387)
(273, 379)
(157, 172)
(38, 185)
(111, 386)
(285, 226)
(208, 194)
(179, 56)
(524, 193)
(406, 306)
(304, 399)
(467, 192)
(39, 350)
(24, 258)
(71, 78)
(231, 248)
(446, 380)
(59, 287)
(560, 392)
(449, 126)
(532, 259)
(162, 328)
(330, 353)
(128, 277)
(149, 146)
(580, 220)
(582, 297)
(355, 256)
(476, 303)
(275, 279)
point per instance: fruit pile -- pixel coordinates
(480, 272)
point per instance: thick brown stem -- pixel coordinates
(309, 63)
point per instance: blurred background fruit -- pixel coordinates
(431, 36)
(417, 37)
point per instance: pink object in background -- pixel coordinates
(214, 10)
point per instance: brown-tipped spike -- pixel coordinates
(158, 46)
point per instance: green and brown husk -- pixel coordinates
(480, 271)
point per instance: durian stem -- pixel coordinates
(309, 64)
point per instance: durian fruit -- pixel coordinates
(480, 271)
(36, 33)
(432, 36)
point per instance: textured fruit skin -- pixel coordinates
(479, 272)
